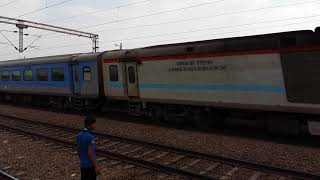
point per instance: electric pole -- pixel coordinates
(23, 24)
(119, 45)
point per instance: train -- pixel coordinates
(270, 81)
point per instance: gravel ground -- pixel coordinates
(28, 156)
(33, 160)
(270, 153)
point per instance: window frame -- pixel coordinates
(24, 75)
(84, 72)
(37, 74)
(52, 74)
(8, 75)
(12, 75)
(132, 79)
(111, 76)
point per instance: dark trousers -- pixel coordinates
(88, 174)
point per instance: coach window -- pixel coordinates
(86, 73)
(16, 75)
(42, 74)
(5, 75)
(28, 75)
(113, 70)
(57, 74)
(132, 75)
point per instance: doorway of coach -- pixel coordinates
(132, 79)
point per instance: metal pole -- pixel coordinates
(23, 24)
(95, 43)
(21, 27)
(20, 40)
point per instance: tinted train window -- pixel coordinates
(132, 75)
(57, 74)
(16, 75)
(5, 75)
(42, 74)
(27, 75)
(288, 42)
(86, 73)
(113, 70)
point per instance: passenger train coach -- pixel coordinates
(269, 81)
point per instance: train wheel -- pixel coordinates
(157, 114)
(188, 115)
(27, 100)
(202, 119)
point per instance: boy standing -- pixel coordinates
(87, 150)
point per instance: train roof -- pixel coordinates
(255, 42)
(264, 41)
(259, 36)
(245, 43)
(51, 59)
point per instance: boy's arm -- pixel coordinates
(92, 159)
(78, 146)
(78, 150)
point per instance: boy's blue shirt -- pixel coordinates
(85, 139)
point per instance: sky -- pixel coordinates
(142, 23)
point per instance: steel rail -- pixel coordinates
(133, 161)
(224, 160)
(6, 176)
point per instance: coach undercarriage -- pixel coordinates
(201, 117)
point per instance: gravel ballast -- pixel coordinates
(36, 159)
(254, 150)
(30, 159)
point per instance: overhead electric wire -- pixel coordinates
(8, 40)
(28, 13)
(214, 28)
(190, 19)
(3, 1)
(236, 31)
(249, 29)
(37, 10)
(206, 17)
(8, 3)
(6, 31)
(217, 28)
(147, 15)
(222, 14)
(5, 43)
(167, 34)
(233, 13)
(202, 4)
(98, 11)
(154, 14)
(32, 43)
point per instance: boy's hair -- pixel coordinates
(89, 120)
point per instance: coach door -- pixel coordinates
(132, 79)
(75, 78)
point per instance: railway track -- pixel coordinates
(167, 161)
(6, 176)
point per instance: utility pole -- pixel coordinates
(119, 45)
(23, 24)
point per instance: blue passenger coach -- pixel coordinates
(57, 80)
